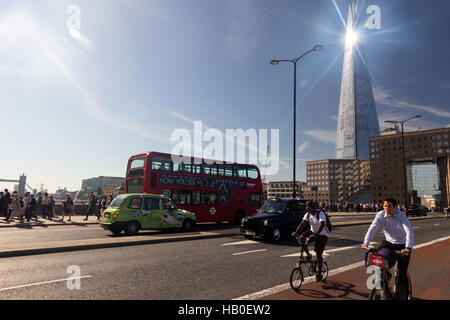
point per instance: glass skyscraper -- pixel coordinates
(357, 119)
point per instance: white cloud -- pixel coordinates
(303, 146)
(327, 136)
(386, 97)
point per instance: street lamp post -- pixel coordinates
(294, 61)
(403, 154)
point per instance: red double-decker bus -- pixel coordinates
(214, 192)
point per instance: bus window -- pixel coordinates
(253, 173)
(210, 169)
(228, 171)
(221, 169)
(181, 197)
(137, 163)
(167, 193)
(255, 199)
(135, 185)
(161, 163)
(196, 197)
(241, 172)
(196, 168)
(209, 198)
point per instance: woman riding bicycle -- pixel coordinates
(318, 229)
(399, 236)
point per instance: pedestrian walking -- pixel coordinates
(39, 203)
(17, 211)
(3, 205)
(45, 201)
(91, 206)
(67, 207)
(102, 206)
(50, 207)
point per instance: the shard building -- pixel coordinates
(357, 119)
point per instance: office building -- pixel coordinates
(427, 155)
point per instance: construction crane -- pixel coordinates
(265, 166)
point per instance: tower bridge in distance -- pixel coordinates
(22, 183)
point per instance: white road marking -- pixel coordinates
(239, 253)
(326, 253)
(240, 242)
(285, 286)
(416, 227)
(41, 283)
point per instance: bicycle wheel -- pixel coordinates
(296, 278)
(409, 287)
(377, 294)
(324, 271)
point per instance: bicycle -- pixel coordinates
(384, 290)
(306, 267)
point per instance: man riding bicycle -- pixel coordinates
(318, 230)
(399, 236)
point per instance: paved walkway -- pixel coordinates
(76, 220)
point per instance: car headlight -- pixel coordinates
(243, 220)
(266, 223)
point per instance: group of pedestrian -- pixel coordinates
(351, 207)
(103, 203)
(14, 206)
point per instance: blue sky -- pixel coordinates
(72, 111)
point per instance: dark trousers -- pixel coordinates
(44, 210)
(28, 212)
(91, 211)
(49, 212)
(403, 263)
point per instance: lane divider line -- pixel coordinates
(285, 286)
(239, 253)
(45, 282)
(326, 251)
(240, 242)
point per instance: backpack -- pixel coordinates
(328, 224)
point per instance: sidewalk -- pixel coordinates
(76, 220)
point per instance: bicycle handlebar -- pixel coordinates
(372, 249)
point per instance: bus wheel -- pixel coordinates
(188, 225)
(239, 216)
(132, 228)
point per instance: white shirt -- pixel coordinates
(314, 223)
(397, 229)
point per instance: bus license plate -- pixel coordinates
(250, 233)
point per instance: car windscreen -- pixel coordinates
(117, 202)
(273, 207)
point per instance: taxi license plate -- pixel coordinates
(250, 233)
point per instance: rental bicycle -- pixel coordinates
(305, 267)
(383, 290)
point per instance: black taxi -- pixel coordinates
(276, 217)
